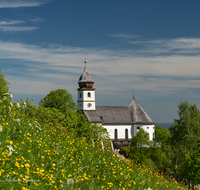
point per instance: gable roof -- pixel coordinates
(132, 114)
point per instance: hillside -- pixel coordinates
(46, 156)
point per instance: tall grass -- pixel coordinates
(44, 156)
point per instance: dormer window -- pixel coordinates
(89, 95)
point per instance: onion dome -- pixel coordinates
(85, 80)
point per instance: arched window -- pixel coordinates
(80, 94)
(115, 133)
(89, 94)
(148, 135)
(126, 133)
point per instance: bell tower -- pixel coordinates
(86, 92)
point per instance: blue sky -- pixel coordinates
(151, 46)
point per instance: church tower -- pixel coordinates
(86, 92)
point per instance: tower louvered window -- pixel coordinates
(89, 95)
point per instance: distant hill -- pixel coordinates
(167, 125)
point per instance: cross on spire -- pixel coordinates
(133, 93)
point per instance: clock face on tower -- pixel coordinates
(89, 105)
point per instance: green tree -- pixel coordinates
(43, 115)
(184, 134)
(161, 151)
(60, 99)
(186, 129)
(140, 147)
(162, 134)
(4, 85)
(192, 167)
(63, 113)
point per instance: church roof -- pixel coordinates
(132, 114)
(85, 77)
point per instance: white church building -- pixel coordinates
(121, 122)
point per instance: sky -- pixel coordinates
(152, 47)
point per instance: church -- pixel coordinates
(121, 122)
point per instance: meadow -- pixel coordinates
(37, 155)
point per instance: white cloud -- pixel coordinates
(37, 19)
(33, 87)
(124, 35)
(173, 46)
(17, 28)
(14, 26)
(21, 3)
(44, 68)
(11, 22)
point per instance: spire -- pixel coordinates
(85, 80)
(85, 62)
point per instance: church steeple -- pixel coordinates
(86, 92)
(85, 80)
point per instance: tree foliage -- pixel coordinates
(192, 167)
(140, 147)
(60, 99)
(162, 134)
(186, 129)
(64, 113)
(161, 151)
(3, 84)
(184, 135)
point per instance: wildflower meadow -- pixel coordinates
(37, 155)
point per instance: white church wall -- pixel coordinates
(120, 131)
(86, 100)
(147, 128)
(86, 97)
(88, 105)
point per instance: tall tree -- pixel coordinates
(184, 134)
(60, 99)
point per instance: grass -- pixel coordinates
(44, 156)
